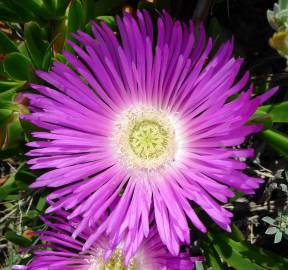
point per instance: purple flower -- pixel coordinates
(62, 251)
(142, 125)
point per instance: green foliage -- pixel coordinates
(6, 45)
(278, 227)
(261, 117)
(278, 140)
(38, 48)
(241, 255)
(38, 30)
(278, 112)
(18, 239)
(17, 66)
(75, 17)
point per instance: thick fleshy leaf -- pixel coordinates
(88, 6)
(36, 6)
(6, 45)
(5, 116)
(61, 6)
(6, 13)
(24, 174)
(268, 220)
(75, 16)
(199, 266)
(212, 257)
(272, 230)
(15, 11)
(18, 239)
(15, 136)
(109, 20)
(278, 112)
(260, 117)
(17, 66)
(241, 255)
(278, 140)
(7, 85)
(38, 48)
(278, 237)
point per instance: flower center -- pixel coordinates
(148, 139)
(115, 262)
(145, 139)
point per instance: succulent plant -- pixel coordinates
(278, 226)
(278, 17)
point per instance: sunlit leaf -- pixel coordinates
(278, 237)
(278, 112)
(268, 220)
(272, 230)
(241, 255)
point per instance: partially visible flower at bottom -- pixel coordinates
(64, 252)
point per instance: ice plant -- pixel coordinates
(142, 125)
(62, 251)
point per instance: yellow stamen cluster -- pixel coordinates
(115, 262)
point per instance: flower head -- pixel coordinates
(62, 251)
(143, 126)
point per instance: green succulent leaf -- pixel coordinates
(278, 112)
(5, 116)
(37, 47)
(268, 220)
(241, 255)
(75, 17)
(7, 85)
(6, 45)
(13, 11)
(278, 140)
(260, 117)
(15, 136)
(61, 6)
(199, 266)
(41, 205)
(17, 66)
(212, 256)
(109, 20)
(24, 174)
(6, 13)
(283, 4)
(88, 6)
(278, 237)
(50, 5)
(18, 239)
(272, 230)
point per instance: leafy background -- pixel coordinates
(32, 36)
